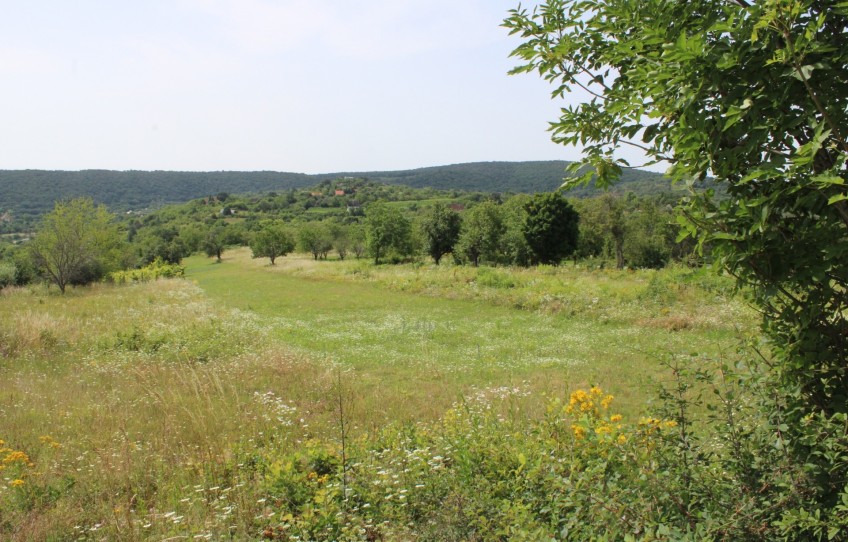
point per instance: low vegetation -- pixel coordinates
(618, 393)
(294, 401)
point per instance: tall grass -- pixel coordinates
(211, 410)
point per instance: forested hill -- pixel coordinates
(26, 194)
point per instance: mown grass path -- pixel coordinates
(416, 345)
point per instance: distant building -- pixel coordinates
(340, 192)
(457, 207)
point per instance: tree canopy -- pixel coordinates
(271, 242)
(387, 231)
(755, 95)
(550, 227)
(76, 243)
(440, 226)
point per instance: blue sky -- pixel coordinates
(287, 85)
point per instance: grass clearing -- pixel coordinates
(203, 407)
(430, 349)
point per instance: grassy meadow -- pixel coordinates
(328, 399)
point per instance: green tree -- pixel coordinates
(77, 243)
(272, 241)
(650, 235)
(192, 236)
(440, 226)
(356, 235)
(159, 242)
(550, 227)
(8, 273)
(387, 231)
(340, 236)
(514, 247)
(315, 238)
(481, 233)
(217, 239)
(754, 94)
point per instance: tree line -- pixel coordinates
(26, 195)
(81, 242)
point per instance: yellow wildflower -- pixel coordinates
(668, 424)
(17, 483)
(606, 401)
(615, 418)
(622, 439)
(596, 391)
(11, 457)
(579, 432)
(50, 441)
(580, 398)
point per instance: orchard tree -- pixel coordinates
(77, 243)
(315, 238)
(160, 242)
(754, 95)
(357, 238)
(550, 227)
(440, 227)
(272, 241)
(340, 236)
(481, 234)
(603, 227)
(651, 233)
(514, 245)
(217, 239)
(387, 231)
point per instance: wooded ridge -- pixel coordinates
(27, 194)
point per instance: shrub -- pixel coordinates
(8, 273)
(157, 269)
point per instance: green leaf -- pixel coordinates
(836, 198)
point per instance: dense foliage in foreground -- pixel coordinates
(754, 94)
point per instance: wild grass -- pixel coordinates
(209, 408)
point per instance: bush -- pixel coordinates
(8, 274)
(494, 279)
(158, 269)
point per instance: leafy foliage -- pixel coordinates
(315, 238)
(157, 269)
(756, 95)
(388, 231)
(271, 242)
(217, 238)
(481, 235)
(440, 226)
(550, 227)
(76, 243)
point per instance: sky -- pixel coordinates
(311, 86)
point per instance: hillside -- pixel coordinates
(26, 194)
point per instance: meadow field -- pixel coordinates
(334, 399)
